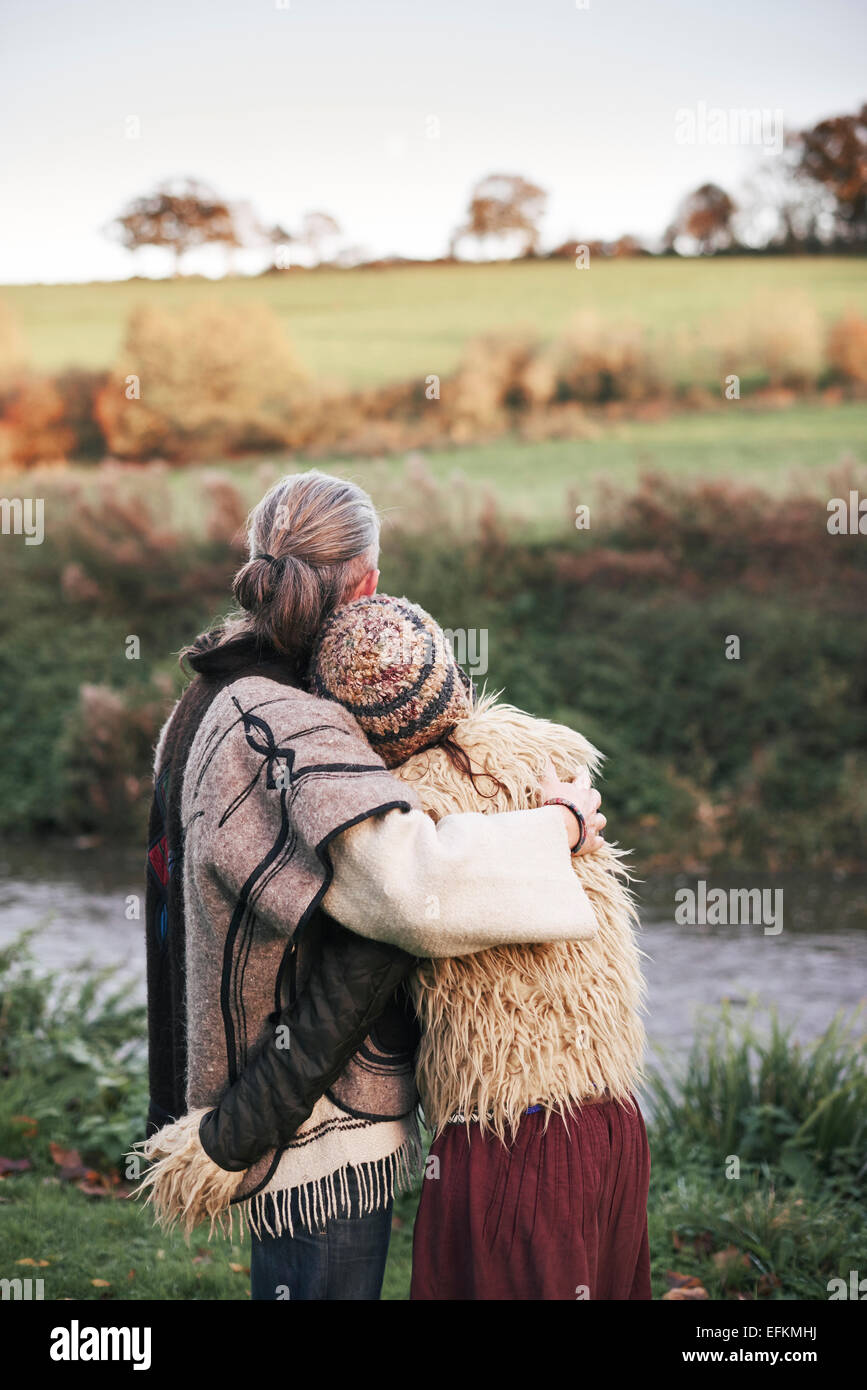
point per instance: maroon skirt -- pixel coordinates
(557, 1214)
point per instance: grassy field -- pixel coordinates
(774, 448)
(369, 327)
(777, 449)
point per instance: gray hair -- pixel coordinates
(312, 539)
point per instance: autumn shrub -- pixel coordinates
(216, 381)
(491, 382)
(847, 350)
(212, 379)
(34, 426)
(122, 546)
(722, 532)
(13, 353)
(776, 340)
(595, 361)
(78, 390)
(106, 750)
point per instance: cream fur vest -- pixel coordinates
(556, 1025)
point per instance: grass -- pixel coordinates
(778, 1230)
(799, 1238)
(369, 327)
(796, 1237)
(779, 449)
(774, 448)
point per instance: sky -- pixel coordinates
(385, 114)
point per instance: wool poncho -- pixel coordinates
(269, 777)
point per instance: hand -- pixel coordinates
(588, 801)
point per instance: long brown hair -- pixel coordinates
(460, 758)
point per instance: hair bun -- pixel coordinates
(257, 582)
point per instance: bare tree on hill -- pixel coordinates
(179, 215)
(500, 205)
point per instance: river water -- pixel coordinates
(816, 965)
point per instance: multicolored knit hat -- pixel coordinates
(388, 662)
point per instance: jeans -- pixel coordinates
(344, 1261)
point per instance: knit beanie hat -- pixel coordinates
(388, 662)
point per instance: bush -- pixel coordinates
(12, 351)
(847, 349)
(34, 425)
(797, 1112)
(598, 361)
(710, 759)
(220, 380)
(72, 1059)
(779, 341)
(491, 382)
(214, 378)
(106, 752)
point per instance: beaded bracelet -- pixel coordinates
(582, 824)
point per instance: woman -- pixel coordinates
(281, 1078)
(540, 1165)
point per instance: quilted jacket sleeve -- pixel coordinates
(349, 987)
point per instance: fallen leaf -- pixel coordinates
(131, 1275)
(731, 1256)
(101, 1283)
(70, 1164)
(64, 1158)
(676, 1295)
(768, 1282)
(14, 1165)
(31, 1126)
(207, 1260)
(681, 1281)
(100, 1185)
(239, 1269)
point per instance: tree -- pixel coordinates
(316, 229)
(280, 240)
(500, 205)
(834, 155)
(179, 215)
(782, 210)
(704, 218)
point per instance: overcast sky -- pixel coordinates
(386, 113)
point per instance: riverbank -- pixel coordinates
(757, 1189)
(706, 636)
